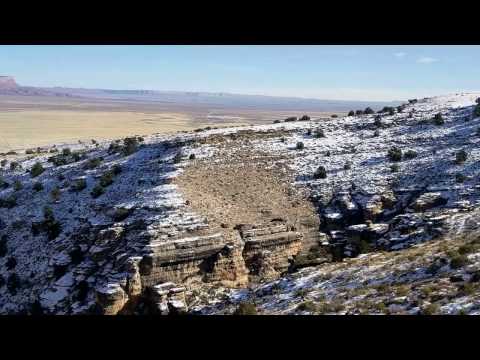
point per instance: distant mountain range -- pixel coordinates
(8, 86)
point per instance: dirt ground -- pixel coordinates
(243, 190)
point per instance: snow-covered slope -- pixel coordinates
(391, 205)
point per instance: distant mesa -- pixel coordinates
(8, 82)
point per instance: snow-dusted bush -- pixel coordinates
(395, 168)
(319, 133)
(36, 170)
(97, 191)
(410, 154)
(79, 185)
(461, 157)
(320, 173)
(3, 246)
(17, 185)
(395, 154)
(304, 118)
(438, 119)
(38, 186)
(300, 146)
(130, 145)
(291, 118)
(93, 163)
(8, 202)
(351, 113)
(369, 111)
(460, 178)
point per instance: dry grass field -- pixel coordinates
(35, 121)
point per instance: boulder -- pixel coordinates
(111, 298)
(429, 200)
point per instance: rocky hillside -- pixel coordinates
(370, 213)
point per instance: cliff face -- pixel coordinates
(162, 224)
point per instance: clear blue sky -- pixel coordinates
(327, 72)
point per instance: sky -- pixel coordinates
(382, 73)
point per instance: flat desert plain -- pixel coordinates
(42, 121)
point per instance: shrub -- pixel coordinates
(277, 121)
(378, 121)
(460, 178)
(376, 133)
(461, 157)
(395, 168)
(369, 111)
(391, 111)
(11, 263)
(36, 170)
(333, 116)
(438, 119)
(106, 179)
(304, 118)
(476, 111)
(17, 185)
(14, 165)
(3, 162)
(457, 260)
(93, 163)
(359, 112)
(114, 147)
(140, 139)
(3, 183)
(351, 113)
(52, 227)
(3, 246)
(29, 151)
(97, 191)
(38, 186)
(300, 146)
(79, 185)
(246, 308)
(395, 154)
(347, 166)
(116, 169)
(412, 101)
(309, 132)
(328, 153)
(319, 133)
(430, 309)
(130, 145)
(8, 202)
(320, 173)
(192, 157)
(291, 118)
(55, 194)
(66, 152)
(410, 154)
(13, 283)
(307, 306)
